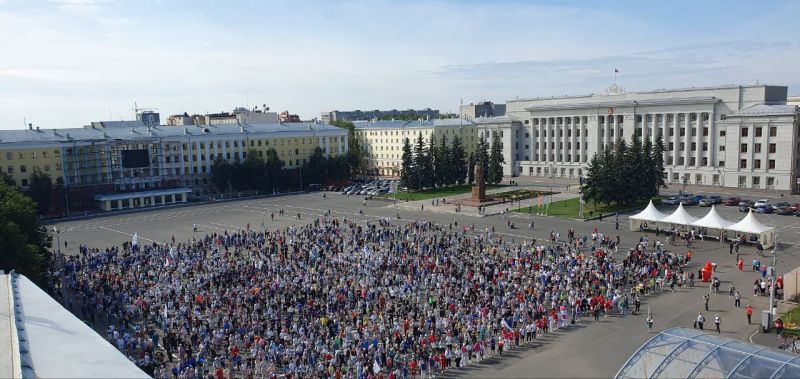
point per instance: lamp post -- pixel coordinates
(58, 238)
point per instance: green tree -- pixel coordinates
(458, 167)
(657, 156)
(315, 170)
(407, 172)
(221, 172)
(23, 239)
(40, 189)
(441, 169)
(482, 155)
(635, 169)
(274, 170)
(648, 177)
(7, 179)
(494, 172)
(254, 169)
(423, 164)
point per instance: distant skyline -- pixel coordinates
(66, 63)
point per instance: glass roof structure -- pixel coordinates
(690, 353)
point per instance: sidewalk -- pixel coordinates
(7, 322)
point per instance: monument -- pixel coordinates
(479, 188)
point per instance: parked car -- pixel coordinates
(744, 206)
(783, 211)
(781, 204)
(732, 201)
(705, 202)
(672, 200)
(686, 201)
(765, 209)
(761, 203)
(715, 199)
(795, 207)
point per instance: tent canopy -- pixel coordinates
(680, 216)
(713, 220)
(649, 214)
(750, 224)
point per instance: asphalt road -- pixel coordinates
(588, 349)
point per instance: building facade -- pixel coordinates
(358, 115)
(382, 141)
(482, 109)
(128, 156)
(727, 136)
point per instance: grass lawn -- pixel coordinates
(436, 193)
(570, 208)
(791, 319)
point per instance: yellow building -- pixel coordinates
(125, 156)
(382, 141)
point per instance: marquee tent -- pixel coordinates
(649, 214)
(751, 225)
(680, 217)
(713, 220)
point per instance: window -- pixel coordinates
(704, 161)
(744, 131)
(742, 181)
(692, 161)
(10, 169)
(757, 163)
(770, 182)
(682, 146)
(9, 156)
(671, 132)
(743, 163)
(705, 146)
(44, 154)
(705, 132)
(756, 181)
(721, 164)
(722, 133)
(23, 168)
(773, 131)
(743, 149)
(758, 133)
(722, 148)
(694, 132)
(680, 161)
(24, 182)
(757, 148)
(694, 146)
(297, 151)
(771, 164)
(682, 132)
(772, 148)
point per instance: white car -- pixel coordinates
(761, 203)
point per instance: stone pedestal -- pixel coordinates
(479, 189)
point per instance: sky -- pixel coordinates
(66, 63)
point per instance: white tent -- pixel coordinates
(649, 214)
(680, 217)
(713, 220)
(751, 225)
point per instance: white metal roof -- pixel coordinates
(679, 216)
(713, 220)
(750, 224)
(649, 214)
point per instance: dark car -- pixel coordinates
(765, 209)
(783, 211)
(715, 199)
(732, 201)
(781, 204)
(745, 205)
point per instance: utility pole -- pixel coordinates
(772, 283)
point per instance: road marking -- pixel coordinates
(226, 225)
(751, 336)
(127, 234)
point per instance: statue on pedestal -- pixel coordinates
(479, 188)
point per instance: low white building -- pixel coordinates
(729, 136)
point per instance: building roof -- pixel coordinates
(52, 342)
(136, 130)
(439, 122)
(768, 110)
(691, 353)
(655, 91)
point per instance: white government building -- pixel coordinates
(730, 136)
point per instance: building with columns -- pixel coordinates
(727, 136)
(167, 163)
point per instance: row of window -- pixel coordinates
(563, 171)
(33, 154)
(757, 148)
(620, 119)
(758, 131)
(24, 168)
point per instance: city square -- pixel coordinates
(595, 349)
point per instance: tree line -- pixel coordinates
(23, 239)
(435, 164)
(626, 173)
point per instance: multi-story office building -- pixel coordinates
(730, 136)
(482, 109)
(382, 141)
(358, 115)
(127, 156)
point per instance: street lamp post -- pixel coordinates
(58, 238)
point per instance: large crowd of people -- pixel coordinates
(341, 298)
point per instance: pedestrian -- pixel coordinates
(717, 321)
(194, 228)
(700, 320)
(737, 300)
(730, 248)
(649, 323)
(705, 300)
(749, 312)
